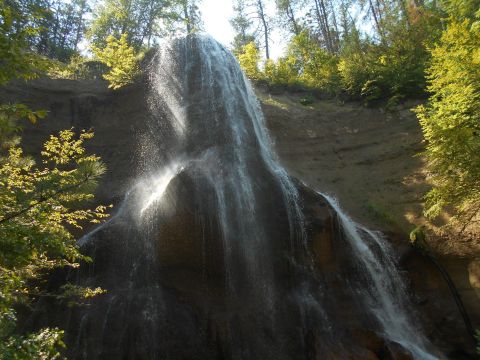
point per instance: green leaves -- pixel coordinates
(249, 59)
(43, 345)
(38, 207)
(305, 63)
(122, 60)
(451, 123)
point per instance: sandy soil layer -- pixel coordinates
(364, 157)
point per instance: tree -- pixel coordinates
(249, 60)
(451, 121)
(241, 24)
(316, 67)
(252, 14)
(38, 206)
(120, 57)
(15, 58)
(37, 211)
(264, 25)
(190, 15)
(62, 30)
(142, 20)
(288, 14)
(320, 17)
(59, 25)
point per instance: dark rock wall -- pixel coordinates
(198, 324)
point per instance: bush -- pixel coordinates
(307, 100)
(381, 72)
(120, 57)
(249, 59)
(450, 122)
(394, 67)
(282, 72)
(314, 67)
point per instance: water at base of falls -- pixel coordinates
(209, 254)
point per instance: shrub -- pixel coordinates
(120, 57)
(450, 122)
(314, 67)
(249, 59)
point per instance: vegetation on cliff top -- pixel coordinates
(451, 119)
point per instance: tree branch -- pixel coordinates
(43, 199)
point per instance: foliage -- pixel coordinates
(16, 62)
(39, 206)
(281, 72)
(393, 68)
(305, 64)
(189, 14)
(241, 24)
(249, 59)
(120, 57)
(79, 67)
(451, 121)
(316, 68)
(307, 100)
(9, 116)
(59, 25)
(143, 20)
(15, 58)
(43, 345)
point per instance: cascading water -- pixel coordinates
(213, 106)
(386, 296)
(209, 255)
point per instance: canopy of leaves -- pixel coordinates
(38, 205)
(16, 59)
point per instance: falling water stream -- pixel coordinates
(212, 146)
(386, 297)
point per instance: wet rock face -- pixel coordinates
(172, 293)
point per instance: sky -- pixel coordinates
(216, 15)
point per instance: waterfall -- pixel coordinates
(209, 253)
(213, 106)
(385, 295)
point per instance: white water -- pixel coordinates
(387, 298)
(154, 189)
(144, 193)
(212, 105)
(218, 135)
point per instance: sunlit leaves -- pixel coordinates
(249, 60)
(39, 205)
(451, 122)
(120, 57)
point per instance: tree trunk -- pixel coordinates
(335, 26)
(263, 19)
(323, 23)
(376, 20)
(291, 17)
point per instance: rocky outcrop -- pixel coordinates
(200, 319)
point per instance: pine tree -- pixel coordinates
(242, 25)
